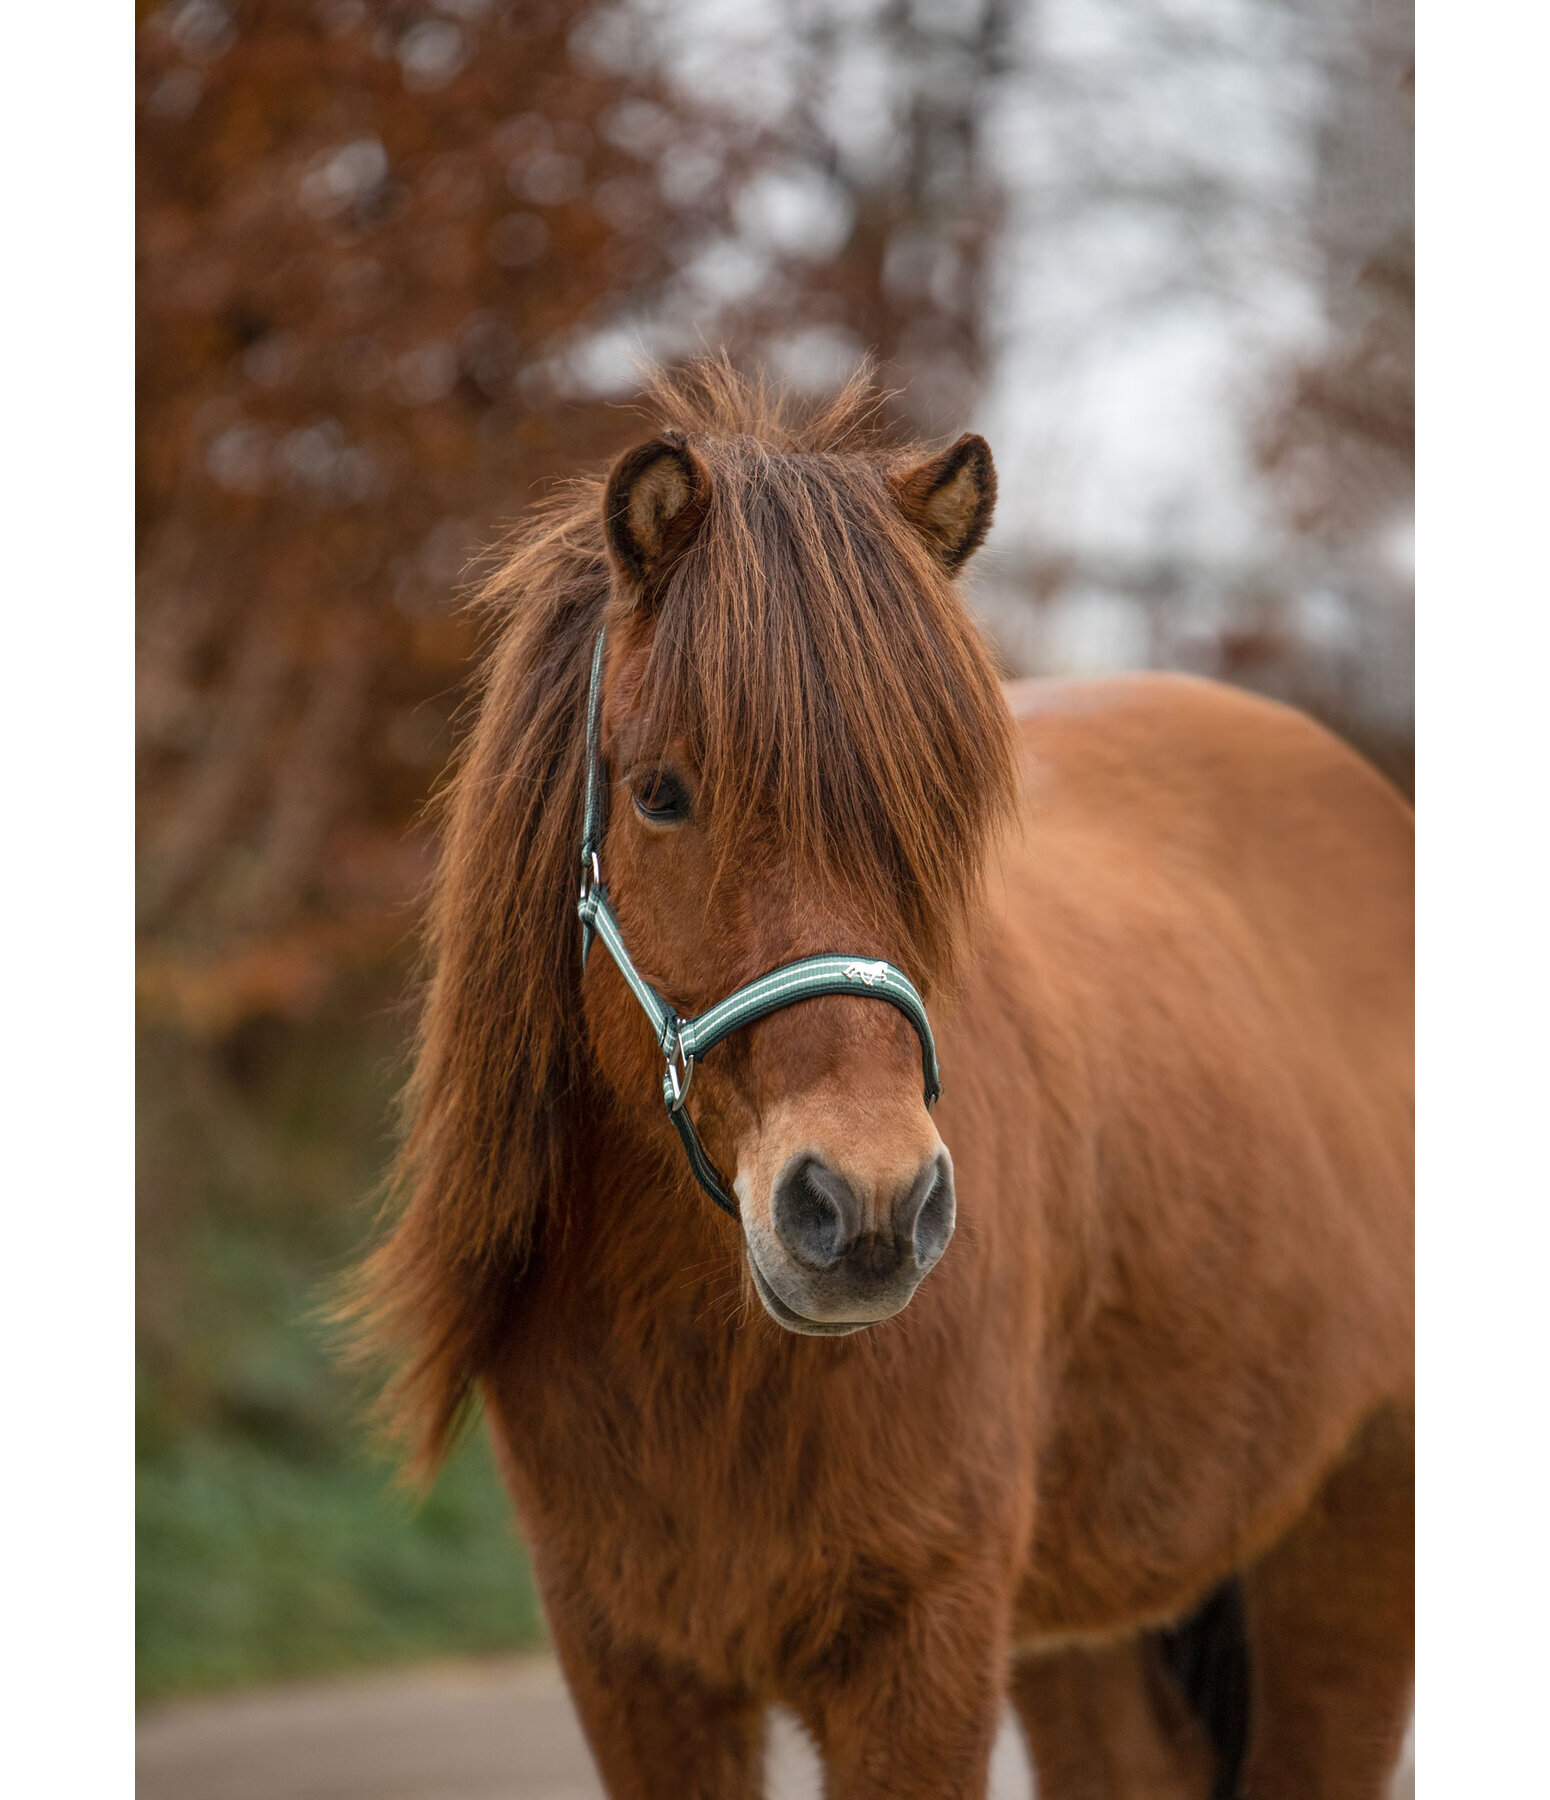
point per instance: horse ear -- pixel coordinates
(949, 499)
(653, 505)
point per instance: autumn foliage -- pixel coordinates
(368, 238)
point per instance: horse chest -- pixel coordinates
(730, 1516)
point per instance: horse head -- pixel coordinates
(800, 747)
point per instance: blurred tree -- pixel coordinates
(888, 108)
(863, 218)
(1341, 443)
(1338, 442)
(368, 235)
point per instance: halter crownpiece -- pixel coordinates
(683, 1041)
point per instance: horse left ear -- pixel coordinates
(653, 505)
(949, 499)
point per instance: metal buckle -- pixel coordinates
(590, 879)
(676, 1060)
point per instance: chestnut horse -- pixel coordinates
(1134, 1447)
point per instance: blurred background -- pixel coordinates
(398, 258)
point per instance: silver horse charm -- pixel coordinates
(870, 973)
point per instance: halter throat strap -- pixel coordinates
(684, 1041)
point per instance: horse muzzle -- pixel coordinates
(840, 1252)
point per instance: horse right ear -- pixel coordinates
(653, 505)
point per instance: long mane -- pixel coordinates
(838, 693)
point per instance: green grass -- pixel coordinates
(254, 1564)
(273, 1540)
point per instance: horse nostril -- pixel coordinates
(814, 1213)
(925, 1215)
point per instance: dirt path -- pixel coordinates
(493, 1730)
(496, 1730)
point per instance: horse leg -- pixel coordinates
(909, 1710)
(656, 1730)
(1331, 1621)
(1109, 1722)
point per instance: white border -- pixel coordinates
(1484, 914)
(66, 702)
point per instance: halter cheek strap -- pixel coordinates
(684, 1041)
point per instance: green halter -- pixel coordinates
(684, 1041)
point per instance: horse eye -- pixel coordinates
(661, 797)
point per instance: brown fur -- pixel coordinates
(1171, 1338)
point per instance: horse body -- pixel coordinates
(1169, 1344)
(1214, 939)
